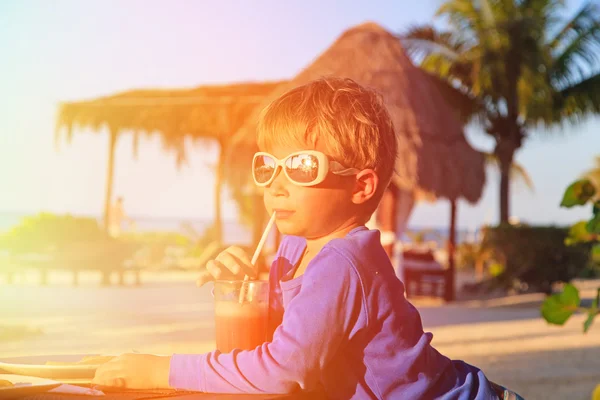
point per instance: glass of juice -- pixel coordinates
(241, 314)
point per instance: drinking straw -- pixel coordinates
(261, 243)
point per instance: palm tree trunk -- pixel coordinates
(505, 151)
(218, 189)
(109, 176)
(510, 144)
(504, 192)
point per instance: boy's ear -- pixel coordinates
(365, 186)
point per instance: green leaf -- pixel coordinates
(588, 322)
(558, 308)
(593, 225)
(592, 312)
(578, 233)
(578, 193)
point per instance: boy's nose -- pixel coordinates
(278, 186)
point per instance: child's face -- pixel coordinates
(311, 212)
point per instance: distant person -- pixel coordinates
(117, 217)
(328, 151)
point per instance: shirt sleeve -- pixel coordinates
(317, 322)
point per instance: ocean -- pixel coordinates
(233, 231)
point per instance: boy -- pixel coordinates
(328, 150)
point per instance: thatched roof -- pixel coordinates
(210, 112)
(433, 153)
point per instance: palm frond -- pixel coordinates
(574, 26)
(517, 171)
(442, 54)
(535, 96)
(577, 51)
(423, 40)
(576, 101)
(463, 15)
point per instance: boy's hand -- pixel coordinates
(135, 371)
(232, 263)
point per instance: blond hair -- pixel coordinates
(349, 120)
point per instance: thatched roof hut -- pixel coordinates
(204, 112)
(433, 154)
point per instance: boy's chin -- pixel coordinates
(286, 228)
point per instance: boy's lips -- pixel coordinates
(283, 214)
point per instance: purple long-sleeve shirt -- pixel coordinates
(347, 327)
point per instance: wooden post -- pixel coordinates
(109, 175)
(450, 290)
(219, 177)
(106, 278)
(43, 276)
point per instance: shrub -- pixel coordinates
(536, 256)
(65, 242)
(48, 232)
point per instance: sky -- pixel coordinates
(74, 50)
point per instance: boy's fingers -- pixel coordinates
(109, 378)
(218, 270)
(245, 260)
(212, 272)
(230, 262)
(237, 266)
(204, 278)
(240, 253)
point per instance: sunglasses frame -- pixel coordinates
(325, 166)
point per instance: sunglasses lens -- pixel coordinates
(302, 168)
(263, 169)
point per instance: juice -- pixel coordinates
(240, 326)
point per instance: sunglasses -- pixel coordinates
(303, 168)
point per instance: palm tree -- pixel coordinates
(512, 65)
